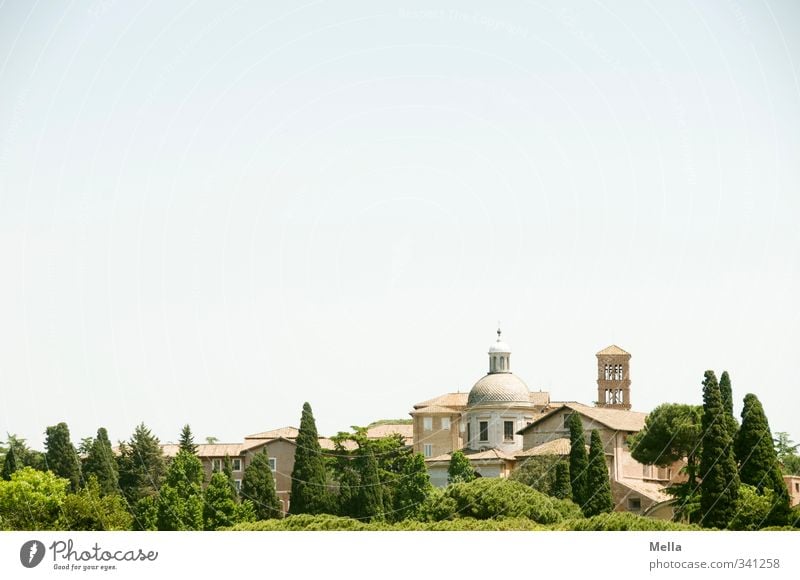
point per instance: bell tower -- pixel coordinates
(613, 378)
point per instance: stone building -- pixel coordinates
(500, 424)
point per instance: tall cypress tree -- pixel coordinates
(726, 394)
(719, 488)
(258, 486)
(101, 463)
(9, 464)
(370, 494)
(598, 486)
(186, 440)
(562, 488)
(578, 460)
(309, 478)
(61, 457)
(758, 460)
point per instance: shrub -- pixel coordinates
(487, 498)
(621, 521)
(752, 509)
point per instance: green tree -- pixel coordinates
(758, 461)
(562, 487)
(370, 496)
(460, 469)
(219, 508)
(9, 465)
(309, 477)
(186, 440)
(597, 483)
(753, 509)
(31, 500)
(227, 469)
(101, 463)
(141, 465)
(91, 509)
(413, 488)
(578, 460)
(538, 472)
(726, 394)
(180, 499)
(61, 457)
(24, 455)
(786, 451)
(258, 486)
(720, 478)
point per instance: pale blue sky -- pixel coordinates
(212, 212)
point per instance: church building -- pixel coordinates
(500, 424)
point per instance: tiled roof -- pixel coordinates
(457, 400)
(613, 349)
(285, 432)
(435, 410)
(649, 489)
(206, 449)
(487, 454)
(404, 429)
(559, 446)
(617, 419)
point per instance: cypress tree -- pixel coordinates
(758, 460)
(258, 486)
(726, 394)
(219, 503)
(562, 488)
(309, 478)
(460, 469)
(598, 486)
(101, 463)
(413, 489)
(141, 465)
(186, 440)
(9, 464)
(578, 460)
(61, 457)
(370, 496)
(719, 488)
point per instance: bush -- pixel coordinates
(487, 498)
(752, 509)
(437, 507)
(621, 521)
(338, 523)
(302, 522)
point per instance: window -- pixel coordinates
(273, 464)
(446, 423)
(427, 450)
(634, 504)
(216, 465)
(238, 484)
(237, 464)
(469, 433)
(483, 430)
(508, 430)
(797, 487)
(427, 423)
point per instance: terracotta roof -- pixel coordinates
(559, 446)
(284, 432)
(617, 419)
(447, 400)
(404, 429)
(487, 454)
(435, 410)
(650, 489)
(613, 349)
(206, 449)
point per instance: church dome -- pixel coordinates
(499, 388)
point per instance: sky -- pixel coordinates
(213, 212)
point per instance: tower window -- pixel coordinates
(508, 430)
(483, 431)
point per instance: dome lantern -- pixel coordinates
(499, 356)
